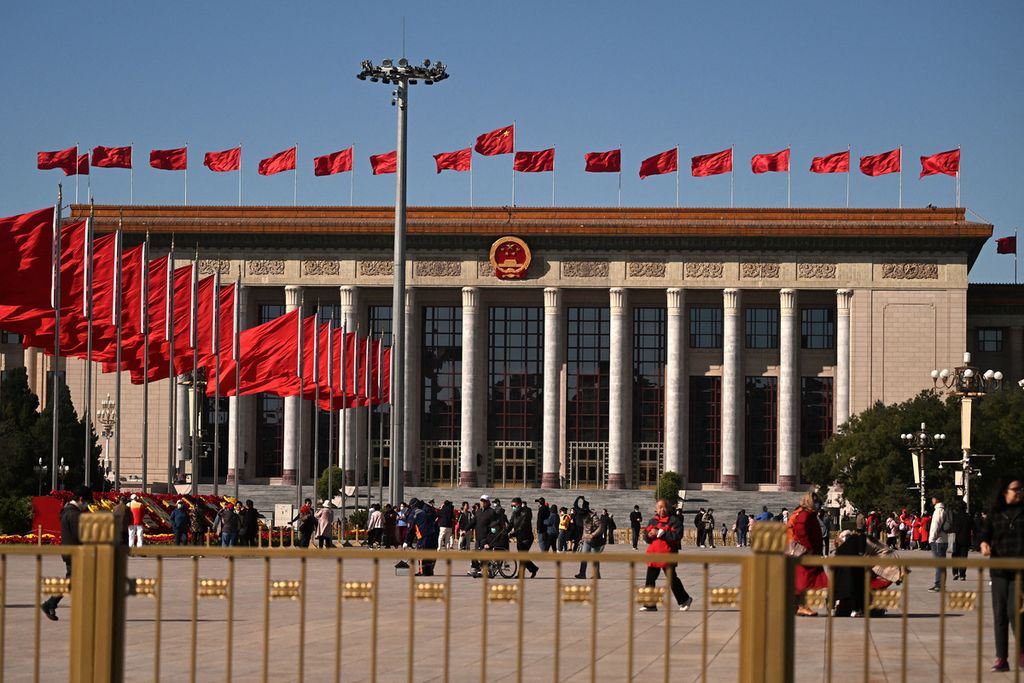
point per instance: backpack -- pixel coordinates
(947, 526)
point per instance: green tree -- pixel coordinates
(872, 463)
(997, 429)
(72, 441)
(669, 484)
(18, 416)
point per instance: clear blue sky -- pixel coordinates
(929, 75)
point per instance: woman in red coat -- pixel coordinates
(803, 531)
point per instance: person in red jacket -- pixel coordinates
(664, 534)
(803, 532)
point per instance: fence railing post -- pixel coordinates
(767, 608)
(98, 582)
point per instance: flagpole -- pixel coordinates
(316, 400)
(330, 417)
(513, 163)
(552, 177)
(298, 440)
(620, 176)
(295, 192)
(901, 178)
(677, 176)
(1015, 256)
(471, 176)
(369, 422)
(216, 385)
(131, 175)
(239, 174)
(186, 174)
(172, 380)
(87, 264)
(789, 179)
(236, 348)
(77, 151)
(849, 160)
(958, 177)
(193, 340)
(342, 420)
(732, 177)
(380, 427)
(352, 184)
(55, 301)
(118, 322)
(144, 327)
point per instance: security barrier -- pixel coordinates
(286, 614)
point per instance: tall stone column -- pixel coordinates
(471, 369)
(732, 391)
(550, 479)
(788, 469)
(620, 390)
(674, 378)
(238, 408)
(842, 398)
(349, 422)
(292, 404)
(182, 433)
(413, 391)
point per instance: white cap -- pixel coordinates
(485, 497)
(134, 497)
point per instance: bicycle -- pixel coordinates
(507, 569)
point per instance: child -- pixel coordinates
(725, 534)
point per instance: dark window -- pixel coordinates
(761, 429)
(380, 322)
(705, 327)
(817, 328)
(515, 373)
(589, 335)
(649, 375)
(9, 337)
(705, 429)
(815, 414)
(380, 328)
(269, 436)
(207, 455)
(270, 311)
(442, 373)
(762, 328)
(332, 313)
(990, 339)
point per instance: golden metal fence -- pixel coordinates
(290, 613)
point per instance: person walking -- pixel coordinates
(698, 524)
(521, 529)
(636, 518)
(1002, 535)
(963, 528)
(825, 522)
(249, 524)
(542, 523)
(136, 510)
(227, 523)
(709, 527)
(121, 520)
(69, 518)
(324, 525)
(551, 529)
(664, 534)
(445, 524)
(484, 527)
(564, 530)
(374, 525)
(307, 523)
(742, 526)
(938, 538)
(464, 525)
(197, 523)
(179, 524)
(803, 533)
(595, 535)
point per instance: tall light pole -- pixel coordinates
(967, 383)
(402, 76)
(107, 416)
(921, 443)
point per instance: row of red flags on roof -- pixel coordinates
(167, 314)
(500, 141)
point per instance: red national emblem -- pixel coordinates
(510, 257)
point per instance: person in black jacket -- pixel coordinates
(250, 524)
(542, 524)
(636, 518)
(69, 517)
(963, 526)
(521, 529)
(445, 524)
(484, 529)
(1003, 536)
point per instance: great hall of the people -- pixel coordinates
(579, 347)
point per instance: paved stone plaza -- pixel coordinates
(614, 612)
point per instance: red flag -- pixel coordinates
(542, 161)
(26, 254)
(1006, 245)
(337, 162)
(169, 159)
(770, 163)
(880, 164)
(220, 162)
(500, 141)
(461, 160)
(604, 162)
(63, 159)
(833, 163)
(112, 157)
(282, 161)
(711, 164)
(947, 163)
(384, 163)
(82, 167)
(666, 162)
